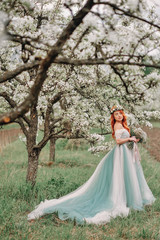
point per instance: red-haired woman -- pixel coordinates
(116, 186)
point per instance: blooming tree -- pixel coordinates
(64, 64)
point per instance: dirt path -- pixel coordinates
(153, 144)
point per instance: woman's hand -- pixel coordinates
(133, 139)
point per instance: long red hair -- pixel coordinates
(124, 122)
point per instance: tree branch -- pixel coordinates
(45, 64)
(20, 122)
(11, 74)
(128, 13)
(119, 74)
(96, 61)
(54, 100)
(43, 142)
(13, 104)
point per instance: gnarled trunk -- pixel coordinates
(33, 157)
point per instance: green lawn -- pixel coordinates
(71, 170)
(10, 126)
(156, 124)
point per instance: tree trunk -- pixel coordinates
(52, 149)
(33, 152)
(33, 157)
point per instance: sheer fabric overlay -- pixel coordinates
(116, 186)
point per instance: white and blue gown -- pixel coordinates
(116, 186)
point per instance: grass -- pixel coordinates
(10, 126)
(71, 170)
(155, 124)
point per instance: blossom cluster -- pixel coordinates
(88, 91)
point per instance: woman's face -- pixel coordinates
(118, 116)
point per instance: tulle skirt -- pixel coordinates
(116, 186)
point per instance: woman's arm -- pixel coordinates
(124, 140)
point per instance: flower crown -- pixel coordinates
(116, 108)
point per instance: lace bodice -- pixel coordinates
(121, 133)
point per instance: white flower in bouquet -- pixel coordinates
(139, 134)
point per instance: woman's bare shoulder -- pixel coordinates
(118, 126)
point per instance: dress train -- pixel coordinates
(116, 186)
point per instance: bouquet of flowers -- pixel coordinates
(139, 134)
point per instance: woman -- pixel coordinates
(116, 186)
